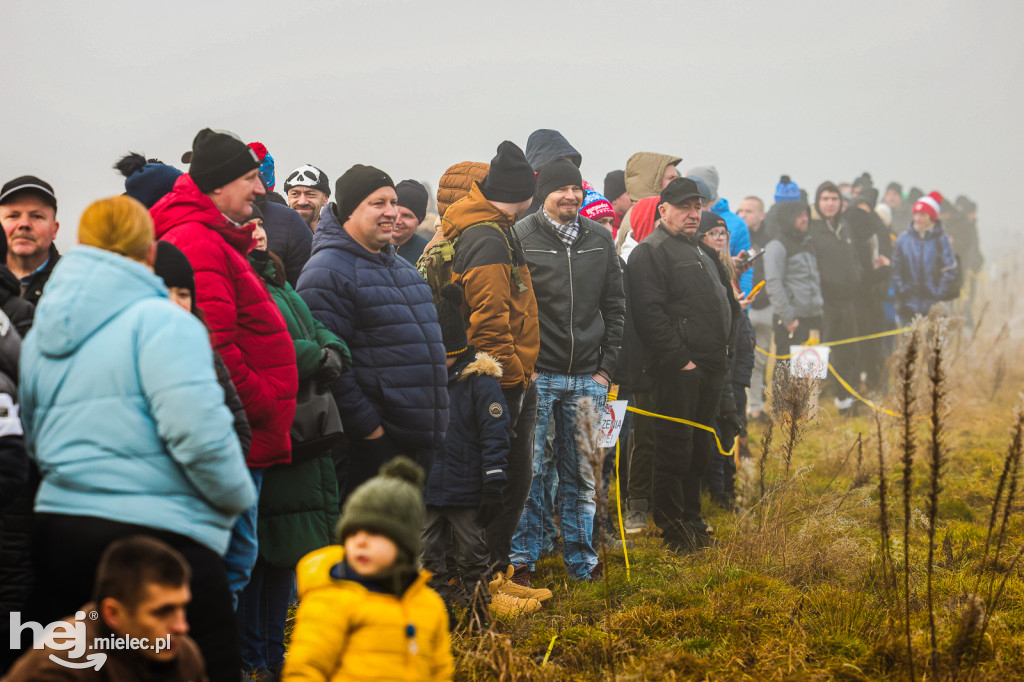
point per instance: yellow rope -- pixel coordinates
(879, 335)
(618, 503)
(679, 420)
(548, 654)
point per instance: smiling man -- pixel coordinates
(578, 284)
(412, 209)
(28, 214)
(395, 399)
(307, 191)
(682, 303)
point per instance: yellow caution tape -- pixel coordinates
(618, 503)
(729, 453)
(879, 335)
(548, 654)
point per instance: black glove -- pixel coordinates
(330, 369)
(731, 425)
(490, 505)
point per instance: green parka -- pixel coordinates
(298, 501)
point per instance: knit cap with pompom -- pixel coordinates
(389, 504)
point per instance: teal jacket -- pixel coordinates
(121, 406)
(298, 501)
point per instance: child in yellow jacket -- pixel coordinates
(365, 611)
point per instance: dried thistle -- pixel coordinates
(937, 395)
(907, 373)
(791, 406)
(970, 622)
(888, 567)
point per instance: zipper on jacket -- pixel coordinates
(540, 251)
(572, 305)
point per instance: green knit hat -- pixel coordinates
(390, 504)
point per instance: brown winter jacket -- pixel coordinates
(118, 666)
(456, 182)
(644, 171)
(502, 314)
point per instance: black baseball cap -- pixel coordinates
(679, 190)
(29, 183)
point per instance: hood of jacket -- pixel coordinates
(457, 181)
(481, 364)
(547, 145)
(709, 174)
(472, 210)
(644, 171)
(89, 287)
(785, 215)
(186, 204)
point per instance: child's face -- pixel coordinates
(369, 553)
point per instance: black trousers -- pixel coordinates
(682, 453)
(66, 551)
(364, 458)
(454, 546)
(518, 474)
(841, 323)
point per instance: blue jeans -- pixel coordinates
(559, 398)
(243, 548)
(262, 612)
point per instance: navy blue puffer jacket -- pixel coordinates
(476, 451)
(924, 270)
(383, 309)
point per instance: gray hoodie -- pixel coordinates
(791, 270)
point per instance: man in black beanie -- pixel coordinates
(395, 399)
(615, 192)
(577, 280)
(412, 209)
(501, 312)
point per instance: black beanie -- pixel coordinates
(413, 196)
(173, 268)
(511, 178)
(453, 324)
(355, 184)
(219, 158)
(614, 184)
(557, 173)
(257, 214)
(709, 221)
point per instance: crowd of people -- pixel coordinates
(227, 401)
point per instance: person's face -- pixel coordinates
(370, 554)
(181, 296)
(373, 221)
(564, 203)
(622, 203)
(259, 235)
(752, 212)
(405, 224)
(801, 222)
(829, 204)
(922, 221)
(307, 202)
(893, 199)
(607, 221)
(235, 198)
(160, 613)
(717, 238)
(30, 223)
(668, 176)
(681, 218)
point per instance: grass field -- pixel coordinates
(800, 586)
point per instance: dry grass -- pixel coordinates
(833, 569)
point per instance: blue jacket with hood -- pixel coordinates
(924, 270)
(380, 306)
(121, 405)
(739, 239)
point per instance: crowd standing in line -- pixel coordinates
(338, 364)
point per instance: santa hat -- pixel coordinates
(929, 204)
(595, 205)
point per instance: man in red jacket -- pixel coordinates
(205, 216)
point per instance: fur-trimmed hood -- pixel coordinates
(481, 363)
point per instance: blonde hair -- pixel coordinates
(118, 224)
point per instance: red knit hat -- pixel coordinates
(595, 205)
(930, 204)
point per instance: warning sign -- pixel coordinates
(809, 362)
(611, 422)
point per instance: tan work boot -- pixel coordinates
(502, 584)
(506, 605)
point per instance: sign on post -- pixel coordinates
(809, 362)
(611, 422)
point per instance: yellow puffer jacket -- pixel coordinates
(345, 632)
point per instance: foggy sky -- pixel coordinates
(927, 93)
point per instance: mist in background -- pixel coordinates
(926, 93)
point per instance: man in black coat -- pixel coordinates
(28, 214)
(685, 314)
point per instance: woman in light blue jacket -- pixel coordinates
(127, 423)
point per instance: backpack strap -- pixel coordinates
(517, 278)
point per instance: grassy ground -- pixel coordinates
(796, 588)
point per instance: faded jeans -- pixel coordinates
(560, 400)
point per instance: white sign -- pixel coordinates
(809, 362)
(611, 422)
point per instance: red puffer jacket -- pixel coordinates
(247, 328)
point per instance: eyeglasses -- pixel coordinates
(717, 234)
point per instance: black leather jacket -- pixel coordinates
(579, 296)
